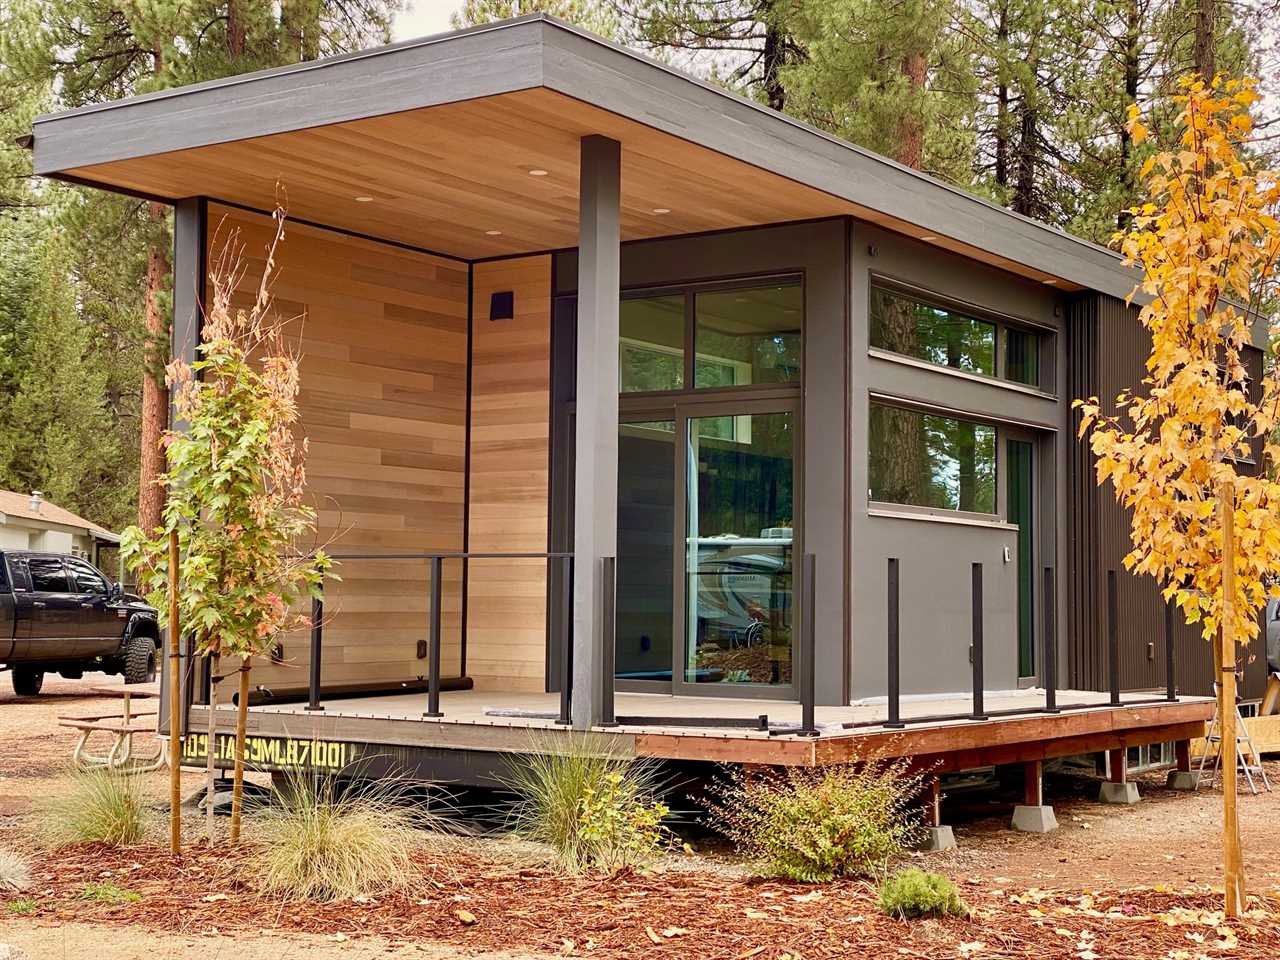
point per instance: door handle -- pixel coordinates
(86, 606)
(38, 603)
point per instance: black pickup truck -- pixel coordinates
(59, 614)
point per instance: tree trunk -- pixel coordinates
(210, 770)
(1002, 101)
(910, 150)
(1132, 70)
(773, 58)
(235, 31)
(155, 395)
(1205, 53)
(1024, 190)
(242, 719)
(175, 688)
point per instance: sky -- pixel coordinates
(421, 18)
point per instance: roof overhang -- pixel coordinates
(465, 116)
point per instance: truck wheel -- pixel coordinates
(140, 660)
(27, 681)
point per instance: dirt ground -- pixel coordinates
(1104, 864)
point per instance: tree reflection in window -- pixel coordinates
(930, 333)
(928, 460)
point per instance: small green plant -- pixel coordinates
(323, 843)
(595, 809)
(15, 875)
(21, 907)
(94, 806)
(108, 892)
(814, 825)
(913, 893)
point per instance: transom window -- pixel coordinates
(930, 460)
(903, 323)
(739, 336)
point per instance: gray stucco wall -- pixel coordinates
(936, 555)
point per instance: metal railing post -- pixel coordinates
(566, 641)
(1049, 671)
(608, 584)
(808, 634)
(317, 630)
(895, 669)
(979, 712)
(1113, 638)
(1170, 654)
(433, 667)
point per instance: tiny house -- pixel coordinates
(637, 406)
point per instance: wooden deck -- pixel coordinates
(483, 723)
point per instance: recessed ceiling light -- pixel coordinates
(537, 173)
(929, 237)
(661, 210)
(493, 233)
(363, 199)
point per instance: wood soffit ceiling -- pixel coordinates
(458, 179)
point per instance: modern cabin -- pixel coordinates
(737, 440)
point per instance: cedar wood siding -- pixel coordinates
(1108, 348)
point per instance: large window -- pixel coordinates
(929, 460)
(47, 575)
(743, 335)
(903, 324)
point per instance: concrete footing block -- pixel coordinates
(1124, 793)
(938, 838)
(1029, 819)
(1183, 780)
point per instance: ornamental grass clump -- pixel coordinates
(914, 893)
(816, 825)
(15, 872)
(321, 842)
(596, 809)
(94, 806)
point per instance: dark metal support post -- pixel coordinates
(317, 630)
(608, 621)
(979, 713)
(566, 641)
(1113, 638)
(808, 650)
(895, 671)
(433, 668)
(1170, 654)
(1049, 672)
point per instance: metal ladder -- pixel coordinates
(1244, 750)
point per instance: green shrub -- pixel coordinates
(109, 893)
(595, 809)
(323, 843)
(914, 893)
(814, 825)
(21, 907)
(15, 875)
(94, 806)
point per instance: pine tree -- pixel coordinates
(594, 15)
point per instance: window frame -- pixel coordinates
(66, 576)
(72, 564)
(690, 290)
(1045, 335)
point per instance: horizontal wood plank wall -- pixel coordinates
(383, 337)
(510, 437)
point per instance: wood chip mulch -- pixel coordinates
(470, 901)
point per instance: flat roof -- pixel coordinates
(105, 144)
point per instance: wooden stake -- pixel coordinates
(175, 687)
(210, 770)
(1233, 866)
(242, 718)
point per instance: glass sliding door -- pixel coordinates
(645, 648)
(739, 545)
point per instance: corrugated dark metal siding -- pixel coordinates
(1108, 348)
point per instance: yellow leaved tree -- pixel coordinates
(1182, 451)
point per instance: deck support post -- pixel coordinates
(595, 533)
(1182, 777)
(1117, 788)
(1033, 815)
(936, 836)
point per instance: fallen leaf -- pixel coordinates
(753, 914)
(653, 934)
(337, 937)
(807, 897)
(465, 917)
(670, 932)
(215, 897)
(754, 951)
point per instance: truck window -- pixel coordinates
(4, 572)
(87, 579)
(47, 575)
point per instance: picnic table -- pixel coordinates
(120, 727)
